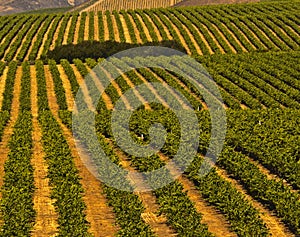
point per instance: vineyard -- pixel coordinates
(252, 51)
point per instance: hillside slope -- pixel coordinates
(15, 6)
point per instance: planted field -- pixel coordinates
(251, 52)
(202, 31)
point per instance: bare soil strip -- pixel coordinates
(80, 79)
(44, 39)
(32, 42)
(188, 90)
(224, 38)
(2, 85)
(8, 130)
(137, 94)
(157, 223)
(76, 33)
(271, 175)
(264, 34)
(276, 227)
(155, 28)
(126, 31)
(86, 27)
(55, 36)
(234, 37)
(215, 221)
(254, 35)
(99, 214)
(164, 27)
(115, 27)
(46, 216)
(170, 90)
(96, 27)
(149, 39)
(14, 39)
(105, 96)
(67, 87)
(213, 37)
(136, 31)
(153, 90)
(199, 51)
(243, 34)
(105, 27)
(118, 89)
(65, 39)
(182, 40)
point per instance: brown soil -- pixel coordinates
(105, 96)
(223, 37)
(276, 227)
(126, 31)
(264, 34)
(215, 221)
(76, 33)
(136, 31)
(96, 27)
(67, 87)
(65, 39)
(44, 39)
(13, 40)
(149, 39)
(85, 90)
(105, 27)
(115, 27)
(33, 42)
(234, 37)
(86, 27)
(254, 35)
(164, 27)
(271, 176)
(213, 37)
(208, 2)
(2, 84)
(184, 106)
(118, 89)
(55, 36)
(179, 35)
(188, 90)
(137, 94)
(46, 217)
(242, 33)
(154, 92)
(99, 214)
(155, 27)
(8, 130)
(157, 223)
(199, 51)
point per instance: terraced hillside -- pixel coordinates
(252, 53)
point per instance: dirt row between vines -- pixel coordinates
(9, 128)
(76, 33)
(215, 221)
(55, 36)
(125, 29)
(33, 41)
(46, 216)
(2, 84)
(25, 38)
(275, 225)
(154, 27)
(158, 223)
(40, 50)
(67, 30)
(99, 214)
